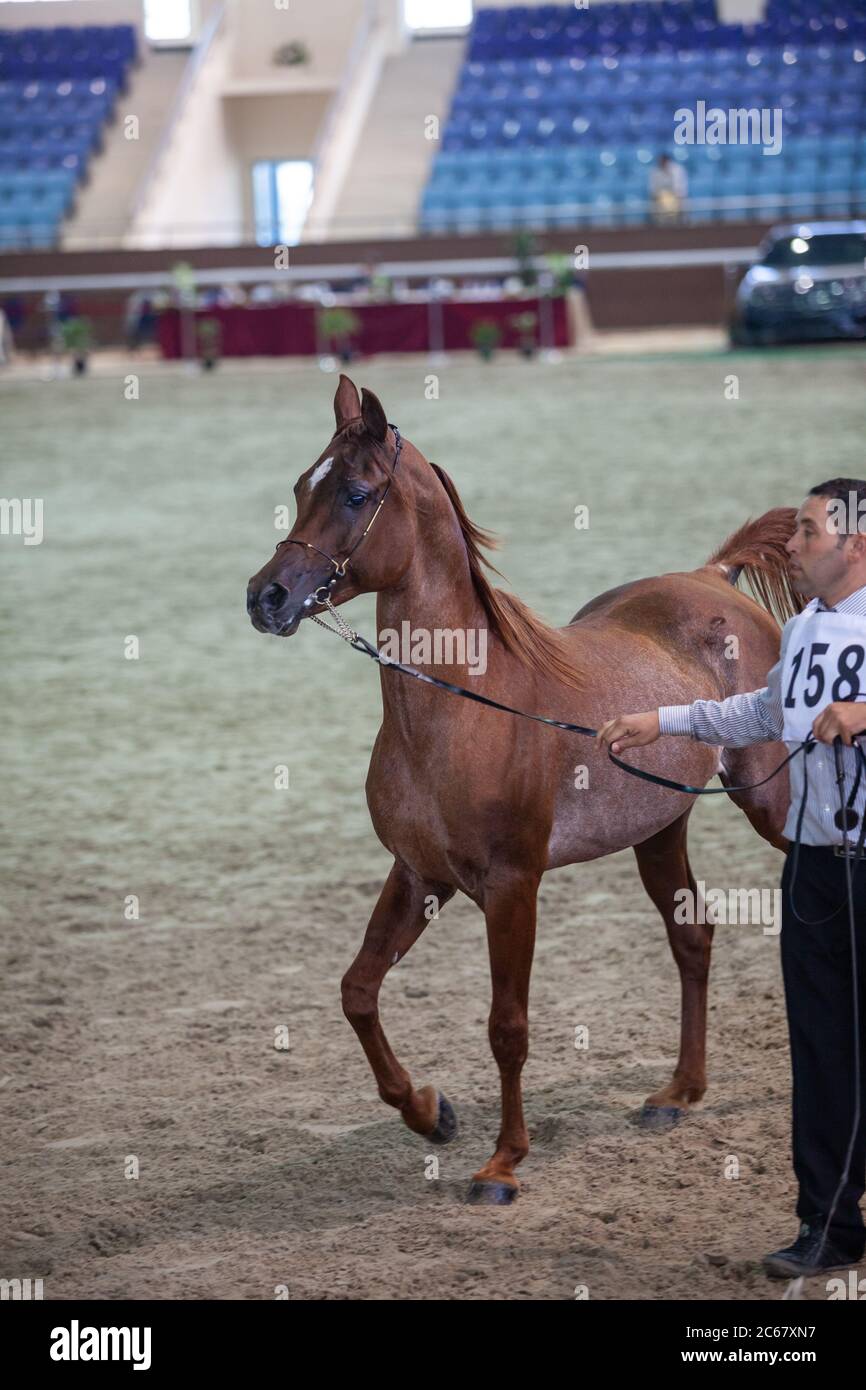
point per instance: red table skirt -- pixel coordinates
(280, 330)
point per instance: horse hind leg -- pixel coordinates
(767, 806)
(664, 869)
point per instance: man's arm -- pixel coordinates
(754, 717)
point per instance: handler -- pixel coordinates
(821, 672)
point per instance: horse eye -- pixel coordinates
(357, 499)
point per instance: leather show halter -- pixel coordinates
(340, 565)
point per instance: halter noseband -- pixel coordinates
(340, 565)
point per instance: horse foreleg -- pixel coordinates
(510, 910)
(664, 868)
(398, 919)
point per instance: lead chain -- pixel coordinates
(342, 629)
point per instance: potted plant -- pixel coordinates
(337, 326)
(183, 277)
(381, 287)
(209, 333)
(524, 250)
(525, 325)
(561, 269)
(485, 336)
(76, 335)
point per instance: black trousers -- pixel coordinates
(816, 968)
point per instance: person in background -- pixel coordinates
(668, 188)
(141, 321)
(7, 345)
(16, 313)
(67, 307)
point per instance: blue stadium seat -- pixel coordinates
(58, 88)
(579, 104)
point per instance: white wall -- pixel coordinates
(741, 11)
(272, 127)
(198, 187)
(47, 13)
(276, 112)
(257, 28)
(243, 108)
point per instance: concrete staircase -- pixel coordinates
(104, 207)
(383, 186)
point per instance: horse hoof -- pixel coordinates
(491, 1194)
(660, 1117)
(446, 1123)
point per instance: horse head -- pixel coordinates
(338, 498)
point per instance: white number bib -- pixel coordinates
(825, 661)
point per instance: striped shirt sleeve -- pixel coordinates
(754, 717)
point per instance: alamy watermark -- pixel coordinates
(20, 1290)
(438, 646)
(22, 516)
(713, 125)
(846, 518)
(77, 1343)
(746, 907)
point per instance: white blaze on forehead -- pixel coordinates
(319, 472)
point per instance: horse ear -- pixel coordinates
(347, 405)
(373, 415)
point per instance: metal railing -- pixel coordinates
(473, 220)
(424, 269)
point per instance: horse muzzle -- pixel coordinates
(273, 610)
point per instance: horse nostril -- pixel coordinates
(272, 597)
(252, 599)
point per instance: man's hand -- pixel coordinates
(843, 719)
(629, 731)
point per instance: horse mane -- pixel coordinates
(523, 633)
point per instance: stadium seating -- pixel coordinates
(559, 114)
(58, 89)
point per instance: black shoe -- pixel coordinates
(810, 1254)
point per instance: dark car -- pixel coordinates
(808, 284)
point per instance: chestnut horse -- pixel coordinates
(472, 799)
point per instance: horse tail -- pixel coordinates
(757, 550)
